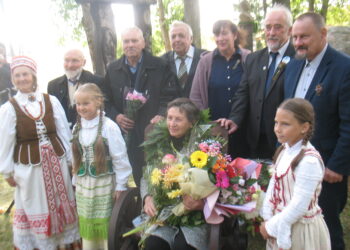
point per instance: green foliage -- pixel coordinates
(71, 14)
(173, 10)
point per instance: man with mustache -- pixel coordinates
(64, 86)
(261, 89)
(137, 70)
(322, 76)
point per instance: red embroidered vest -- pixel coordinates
(27, 150)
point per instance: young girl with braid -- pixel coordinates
(100, 164)
(292, 217)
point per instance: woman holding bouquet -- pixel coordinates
(167, 139)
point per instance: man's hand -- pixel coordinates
(191, 204)
(11, 181)
(227, 124)
(149, 206)
(124, 122)
(331, 176)
(156, 119)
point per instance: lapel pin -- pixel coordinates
(319, 89)
(264, 68)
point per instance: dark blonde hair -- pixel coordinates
(186, 106)
(221, 24)
(99, 146)
(303, 112)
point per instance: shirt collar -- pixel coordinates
(23, 98)
(237, 52)
(295, 147)
(190, 53)
(317, 60)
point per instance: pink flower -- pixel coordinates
(203, 146)
(222, 180)
(235, 187)
(251, 189)
(169, 159)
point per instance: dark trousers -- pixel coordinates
(156, 243)
(263, 150)
(332, 201)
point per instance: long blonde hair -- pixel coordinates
(99, 146)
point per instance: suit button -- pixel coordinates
(229, 101)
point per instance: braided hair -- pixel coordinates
(99, 146)
(303, 112)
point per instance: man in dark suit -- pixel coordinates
(137, 70)
(322, 75)
(181, 40)
(6, 87)
(261, 89)
(64, 86)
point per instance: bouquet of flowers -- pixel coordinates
(134, 101)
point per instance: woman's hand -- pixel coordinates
(117, 194)
(263, 231)
(149, 207)
(11, 181)
(191, 204)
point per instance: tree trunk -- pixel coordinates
(163, 26)
(311, 5)
(142, 15)
(98, 23)
(324, 9)
(246, 23)
(284, 2)
(192, 18)
(264, 7)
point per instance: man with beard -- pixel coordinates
(138, 71)
(261, 89)
(64, 86)
(183, 55)
(321, 75)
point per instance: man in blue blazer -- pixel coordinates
(321, 75)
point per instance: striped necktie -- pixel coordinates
(271, 71)
(182, 73)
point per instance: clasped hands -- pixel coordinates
(189, 203)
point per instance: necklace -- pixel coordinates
(32, 117)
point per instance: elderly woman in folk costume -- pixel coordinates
(35, 154)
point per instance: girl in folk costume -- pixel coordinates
(101, 166)
(34, 157)
(293, 219)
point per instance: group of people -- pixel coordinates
(78, 129)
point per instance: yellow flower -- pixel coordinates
(175, 193)
(156, 176)
(199, 159)
(172, 175)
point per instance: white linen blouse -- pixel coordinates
(308, 176)
(8, 127)
(116, 145)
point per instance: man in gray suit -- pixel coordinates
(183, 55)
(261, 88)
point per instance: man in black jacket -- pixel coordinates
(261, 89)
(64, 86)
(6, 87)
(181, 39)
(137, 70)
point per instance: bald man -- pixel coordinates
(64, 86)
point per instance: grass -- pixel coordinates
(6, 194)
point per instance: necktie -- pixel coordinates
(182, 73)
(271, 71)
